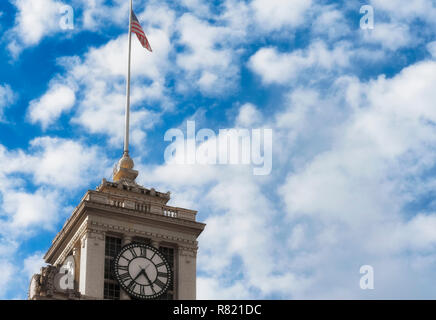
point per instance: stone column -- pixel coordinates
(91, 281)
(125, 241)
(187, 273)
(76, 256)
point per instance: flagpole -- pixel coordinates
(127, 119)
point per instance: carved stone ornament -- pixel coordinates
(43, 286)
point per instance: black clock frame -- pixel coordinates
(128, 290)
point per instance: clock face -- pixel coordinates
(142, 271)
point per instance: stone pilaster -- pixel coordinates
(76, 256)
(186, 266)
(92, 257)
(125, 241)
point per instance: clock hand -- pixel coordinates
(149, 281)
(140, 272)
(146, 276)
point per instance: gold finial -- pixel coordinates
(124, 169)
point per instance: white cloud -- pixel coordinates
(209, 288)
(231, 235)
(207, 59)
(352, 192)
(199, 7)
(389, 35)
(54, 162)
(7, 97)
(332, 23)
(431, 47)
(399, 23)
(47, 109)
(276, 67)
(24, 210)
(64, 163)
(34, 20)
(98, 12)
(382, 131)
(276, 14)
(37, 19)
(33, 264)
(407, 10)
(7, 271)
(238, 17)
(248, 116)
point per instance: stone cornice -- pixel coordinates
(95, 205)
(69, 246)
(188, 251)
(194, 225)
(95, 230)
(100, 228)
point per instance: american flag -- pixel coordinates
(136, 28)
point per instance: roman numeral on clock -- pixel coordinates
(124, 258)
(131, 286)
(133, 252)
(160, 264)
(142, 290)
(159, 283)
(162, 274)
(123, 277)
(123, 268)
(152, 289)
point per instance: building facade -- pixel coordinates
(81, 257)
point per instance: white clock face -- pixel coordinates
(142, 271)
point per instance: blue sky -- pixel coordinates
(351, 110)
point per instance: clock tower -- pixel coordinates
(122, 241)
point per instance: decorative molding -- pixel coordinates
(96, 226)
(188, 251)
(79, 235)
(98, 200)
(97, 231)
(152, 215)
(127, 187)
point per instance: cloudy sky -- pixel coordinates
(352, 112)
